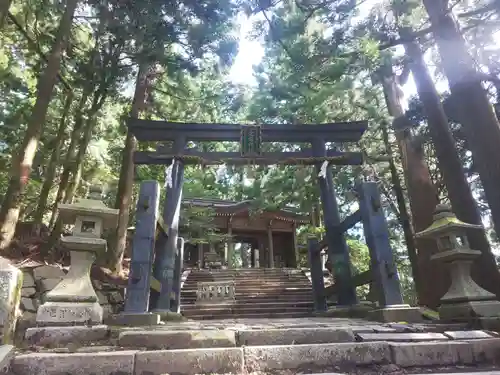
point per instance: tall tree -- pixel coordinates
(126, 182)
(470, 101)
(422, 193)
(22, 161)
(464, 205)
(157, 43)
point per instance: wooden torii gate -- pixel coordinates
(168, 259)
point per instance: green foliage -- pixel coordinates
(320, 65)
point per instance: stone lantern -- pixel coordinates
(74, 300)
(465, 300)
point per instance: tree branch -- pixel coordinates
(35, 45)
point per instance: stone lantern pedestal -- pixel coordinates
(74, 300)
(465, 301)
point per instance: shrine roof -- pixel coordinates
(230, 208)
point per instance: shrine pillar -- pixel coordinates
(270, 244)
(200, 256)
(295, 249)
(230, 244)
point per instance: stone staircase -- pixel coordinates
(257, 346)
(259, 293)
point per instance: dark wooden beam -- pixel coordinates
(357, 280)
(150, 130)
(267, 158)
(349, 221)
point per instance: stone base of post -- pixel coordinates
(134, 319)
(169, 316)
(359, 310)
(69, 313)
(397, 313)
(469, 311)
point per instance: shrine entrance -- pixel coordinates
(265, 239)
(166, 248)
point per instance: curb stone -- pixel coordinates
(108, 363)
(190, 361)
(178, 339)
(265, 358)
(297, 336)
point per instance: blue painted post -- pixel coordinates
(138, 288)
(384, 269)
(179, 261)
(165, 262)
(338, 252)
(317, 279)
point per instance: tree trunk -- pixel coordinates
(126, 182)
(77, 166)
(73, 169)
(53, 162)
(22, 162)
(404, 216)
(71, 154)
(422, 197)
(4, 10)
(484, 271)
(481, 127)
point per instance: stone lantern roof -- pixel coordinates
(91, 207)
(444, 220)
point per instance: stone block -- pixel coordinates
(106, 363)
(145, 319)
(28, 292)
(295, 336)
(107, 311)
(486, 350)
(269, 358)
(103, 300)
(467, 335)
(169, 316)
(432, 353)
(27, 319)
(46, 285)
(28, 304)
(398, 313)
(115, 297)
(190, 361)
(403, 336)
(28, 280)
(67, 313)
(56, 336)
(6, 355)
(48, 272)
(178, 339)
(11, 282)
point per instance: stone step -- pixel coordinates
(191, 339)
(238, 306)
(309, 358)
(266, 280)
(252, 279)
(186, 299)
(257, 291)
(260, 315)
(219, 313)
(216, 311)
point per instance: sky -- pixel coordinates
(251, 53)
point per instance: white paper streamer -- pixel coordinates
(168, 174)
(322, 171)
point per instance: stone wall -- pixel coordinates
(40, 279)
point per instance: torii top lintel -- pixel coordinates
(150, 130)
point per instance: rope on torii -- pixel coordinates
(168, 174)
(322, 170)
